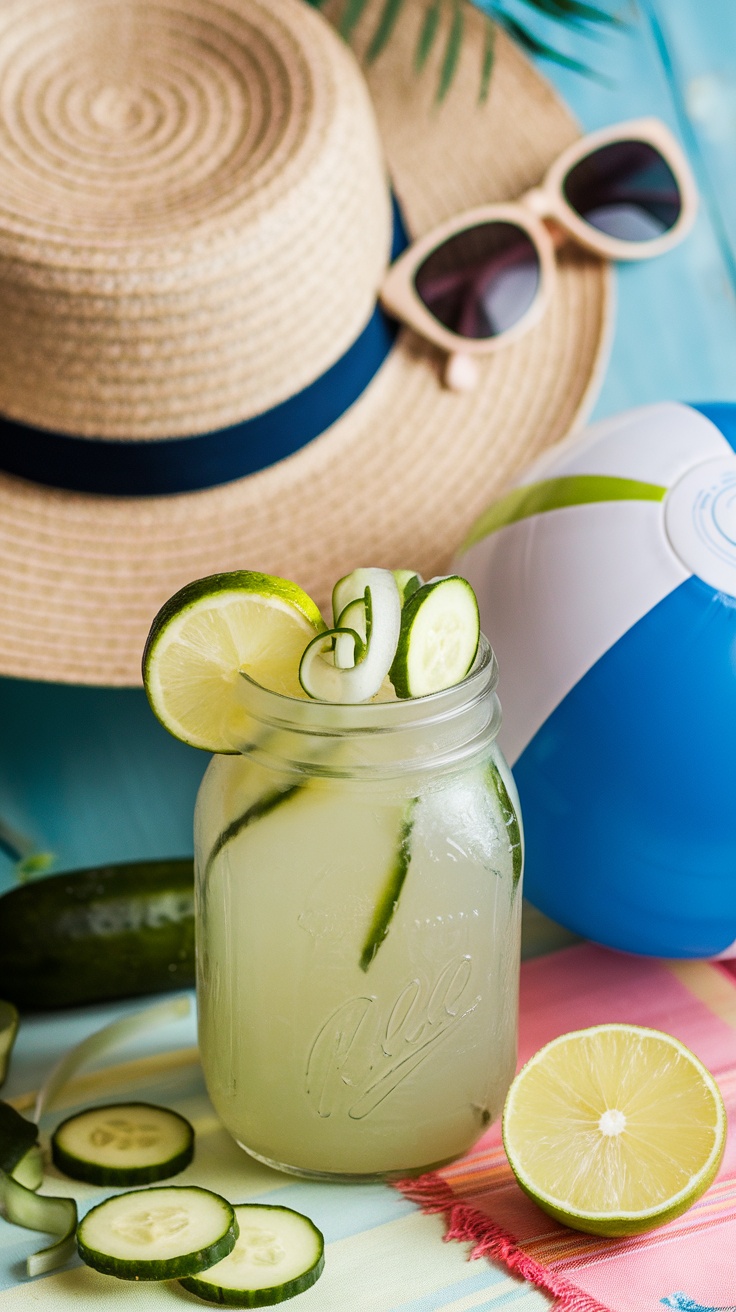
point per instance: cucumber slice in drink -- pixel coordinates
(440, 629)
(158, 1234)
(320, 674)
(208, 633)
(279, 1253)
(123, 1144)
(389, 900)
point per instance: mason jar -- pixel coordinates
(358, 900)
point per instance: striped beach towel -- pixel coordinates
(690, 1264)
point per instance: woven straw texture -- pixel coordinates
(193, 224)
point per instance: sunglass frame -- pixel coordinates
(400, 297)
(546, 202)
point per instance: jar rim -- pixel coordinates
(311, 716)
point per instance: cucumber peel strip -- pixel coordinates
(97, 1044)
(8, 1031)
(55, 1216)
(511, 821)
(255, 811)
(17, 1137)
(389, 899)
(20, 1204)
(29, 1171)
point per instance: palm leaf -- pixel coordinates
(427, 35)
(452, 51)
(571, 13)
(351, 16)
(386, 23)
(534, 46)
(489, 55)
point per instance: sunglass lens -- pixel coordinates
(480, 282)
(626, 190)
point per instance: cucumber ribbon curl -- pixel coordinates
(21, 1174)
(21, 1165)
(358, 668)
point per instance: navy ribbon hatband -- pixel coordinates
(190, 464)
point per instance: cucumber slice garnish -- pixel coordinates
(440, 630)
(123, 1144)
(407, 582)
(389, 900)
(279, 1253)
(320, 674)
(158, 1234)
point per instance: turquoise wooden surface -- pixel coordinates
(90, 775)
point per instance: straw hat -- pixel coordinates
(194, 222)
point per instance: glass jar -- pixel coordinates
(358, 934)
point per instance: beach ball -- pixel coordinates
(607, 585)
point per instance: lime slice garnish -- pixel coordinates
(210, 632)
(614, 1130)
(438, 641)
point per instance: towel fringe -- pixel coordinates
(467, 1224)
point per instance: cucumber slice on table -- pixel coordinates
(123, 1143)
(440, 629)
(158, 1234)
(278, 1254)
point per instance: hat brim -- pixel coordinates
(398, 480)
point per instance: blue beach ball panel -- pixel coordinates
(656, 810)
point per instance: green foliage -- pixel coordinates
(444, 22)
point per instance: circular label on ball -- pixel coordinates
(700, 521)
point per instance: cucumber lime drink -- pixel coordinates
(358, 892)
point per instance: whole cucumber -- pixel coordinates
(94, 935)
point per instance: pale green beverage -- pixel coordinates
(359, 901)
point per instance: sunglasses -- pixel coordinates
(485, 277)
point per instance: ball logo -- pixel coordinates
(700, 519)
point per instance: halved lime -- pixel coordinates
(209, 632)
(614, 1130)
